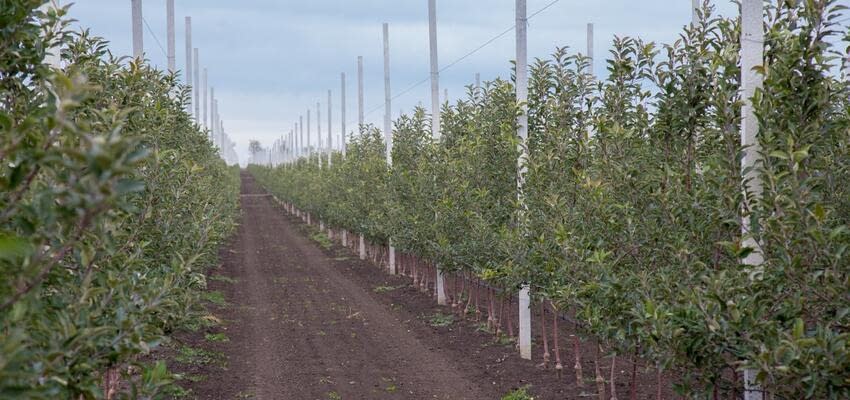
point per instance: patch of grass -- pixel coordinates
(245, 395)
(201, 320)
(215, 297)
(195, 356)
(322, 239)
(222, 278)
(440, 320)
(392, 388)
(518, 394)
(385, 289)
(175, 391)
(216, 337)
(334, 396)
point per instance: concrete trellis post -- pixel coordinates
(522, 132)
(309, 136)
(590, 47)
(53, 56)
(445, 95)
(301, 139)
(196, 86)
(330, 131)
(360, 111)
(752, 56)
(342, 116)
(204, 89)
(172, 47)
(212, 112)
(477, 81)
(189, 59)
(319, 148)
(695, 10)
(388, 128)
(435, 112)
(138, 32)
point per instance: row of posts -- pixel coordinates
(202, 104)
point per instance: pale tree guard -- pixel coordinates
(172, 50)
(204, 89)
(197, 86)
(435, 113)
(752, 56)
(522, 161)
(138, 33)
(309, 136)
(189, 60)
(388, 127)
(477, 81)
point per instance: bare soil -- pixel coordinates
(306, 322)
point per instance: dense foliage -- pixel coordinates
(112, 202)
(632, 200)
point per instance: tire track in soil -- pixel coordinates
(300, 329)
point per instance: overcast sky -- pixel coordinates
(269, 60)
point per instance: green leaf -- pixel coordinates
(13, 247)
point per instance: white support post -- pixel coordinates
(204, 89)
(695, 10)
(590, 47)
(522, 133)
(362, 247)
(196, 86)
(301, 139)
(138, 32)
(319, 148)
(172, 47)
(435, 112)
(189, 60)
(212, 111)
(342, 137)
(388, 128)
(360, 111)
(330, 145)
(309, 136)
(477, 81)
(53, 56)
(445, 95)
(752, 56)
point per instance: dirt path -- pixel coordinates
(300, 329)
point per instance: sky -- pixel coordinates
(271, 60)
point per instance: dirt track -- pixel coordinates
(305, 322)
